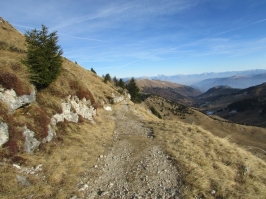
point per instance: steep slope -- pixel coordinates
(217, 91)
(109, 150)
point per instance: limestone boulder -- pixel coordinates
(14, 102)
(31, 143)
(4, 135)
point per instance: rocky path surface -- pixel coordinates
(134, 167)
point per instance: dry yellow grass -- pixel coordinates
(208, 163)
(245, 136)
(10, 36)
(64, 160)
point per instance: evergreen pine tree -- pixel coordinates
(92, 70)
(134, 91)
(115, 81)
(121, 83)
(107, 78)
(43, 56)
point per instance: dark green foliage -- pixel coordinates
(155, 112)
(92, 70)
(121, 83)
(134, 91)
(244, 104)
(115, 81)
(107, 78)
(44, 57)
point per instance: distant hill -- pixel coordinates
(168, 90)
(234, 81)
(218, 91)
(248, 105)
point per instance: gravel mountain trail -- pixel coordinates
(134, 167)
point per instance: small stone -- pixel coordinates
(213, 192)
(23, 180)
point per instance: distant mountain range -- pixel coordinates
(234, 82)
(205, 81)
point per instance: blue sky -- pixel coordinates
(151, 37)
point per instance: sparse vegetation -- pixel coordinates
(155, 112)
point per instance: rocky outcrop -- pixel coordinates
(120, 98)
(4, 135)
(50, 136)
(74, 107)
(107, 108)
(83, 107)
(13, 101)
(117, 99)
(31, 143)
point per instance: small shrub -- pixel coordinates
(11, 81)
(3, 45)
(107, 78)
(12, 147)
(155, 112)
(82, 92)
(92, 70)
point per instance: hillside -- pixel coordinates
(248, 105)
(217, 91)
(168, 90)
(81, 138)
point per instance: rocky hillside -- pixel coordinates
(81, 138)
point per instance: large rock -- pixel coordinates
(13, 101)
(117, 99)
(4, 135)
(81, 107)
(31, 143)
(68, 114)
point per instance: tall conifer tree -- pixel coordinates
(43, 56)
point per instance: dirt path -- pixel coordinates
(134, 167)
